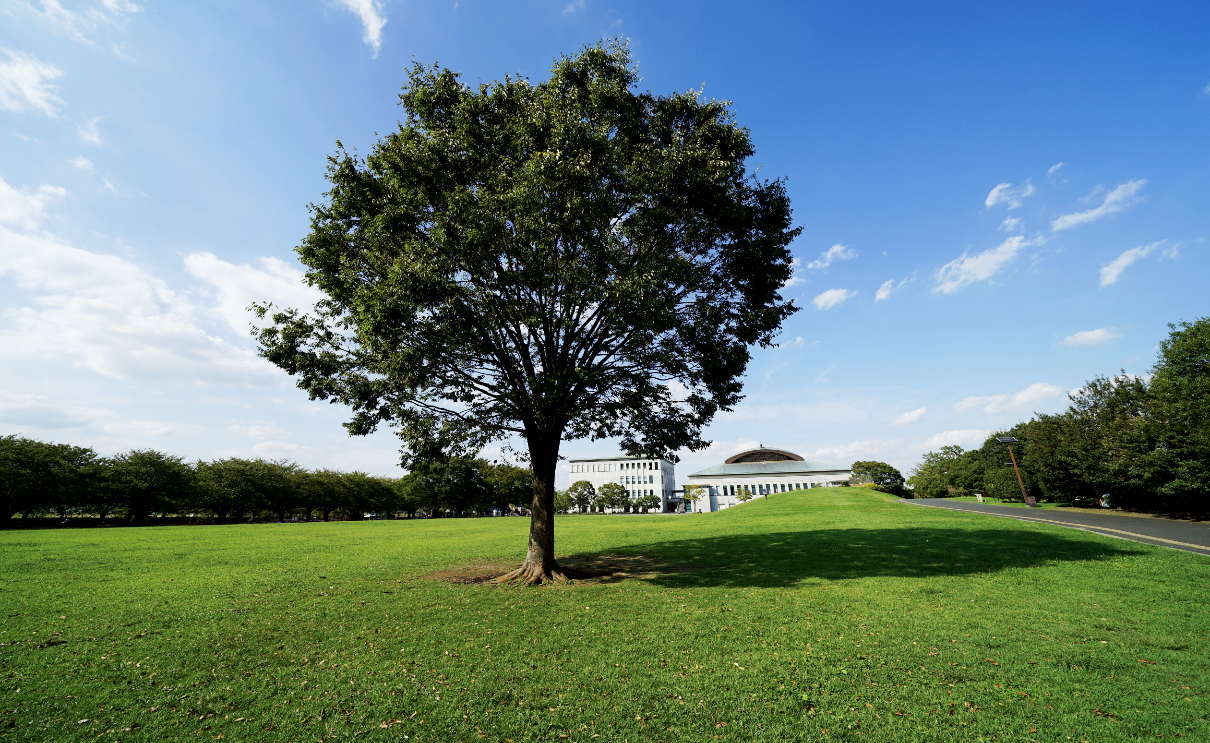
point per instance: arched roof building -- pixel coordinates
(761, 471)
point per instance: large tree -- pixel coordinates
(566, 259)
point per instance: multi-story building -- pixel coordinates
(761, 471)
(638, 475)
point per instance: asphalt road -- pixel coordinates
(1189, 536)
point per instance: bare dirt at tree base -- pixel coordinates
(602, 568)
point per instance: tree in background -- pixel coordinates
(583, 495)
(744, 495)
(694, 493)
(1180, 418)
(145, 481)
(562, 502)
(541, 261)
(878, 473)
(613, 496)
(40, 476)
(950, 471)
(511, 485)
(647, 503)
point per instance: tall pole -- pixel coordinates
(1029, 499)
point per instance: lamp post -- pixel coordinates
(1008, 442)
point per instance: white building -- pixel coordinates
(761, 471)
(639, 476)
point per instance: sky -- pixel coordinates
(998, 202)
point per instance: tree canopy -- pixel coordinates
(565, 259)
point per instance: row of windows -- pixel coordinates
(637, 479)
(758, 489)
(609, 466)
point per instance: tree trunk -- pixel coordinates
(540, 564)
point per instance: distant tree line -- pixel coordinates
(38, 478)
(1143, 441)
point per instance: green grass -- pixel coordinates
(1041, 505)
(820, 610)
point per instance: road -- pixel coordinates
(1190, 536)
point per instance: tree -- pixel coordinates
(613, 496)
(145, 481)
(693, 493)
(941, 473)
(879, 473)
(647, 502)
(511, 485)
(1180, 418)
(744, 495)
(582, 495)
(562, 502)
(542, 261)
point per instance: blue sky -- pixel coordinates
(999, 202)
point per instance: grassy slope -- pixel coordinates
(822, 610)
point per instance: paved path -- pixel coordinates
(1180, 535)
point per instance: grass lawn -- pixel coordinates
(829, 614)
(1041, 505)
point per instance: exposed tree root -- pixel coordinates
(533, 575)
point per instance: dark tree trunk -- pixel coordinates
(540, 564)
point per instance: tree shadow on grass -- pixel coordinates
(782, 559)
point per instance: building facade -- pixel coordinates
(761, 471)
(638, 475)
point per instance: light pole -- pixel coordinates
(1008, 442)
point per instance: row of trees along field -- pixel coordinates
(45, 479)
(1145, 441)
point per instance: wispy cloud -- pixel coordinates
(1006, 194)
(1111, 271)
(831, 298)
(1054, 169)
(81, 162)
(25, 84)
(111, 14)
(966, 269)
(1119, 199)
(1090, 337)
(370, 13)
(909, 417)
(967, 437)
(994, 404)
(88, 131)
(835, 253)
(1011, 224)
(573, 6)
(888, 286)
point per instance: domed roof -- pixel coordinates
(764, 454)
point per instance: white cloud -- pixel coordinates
(796, 343)
(260, 431)
(1090, 337)
(1053, 168)
(1011, 224)
(108, 184)
(1206, 89)
(26, 209)
(910, 417)
(968, 438)
(238, 286)
(103, 313)
(835, 253)
(81, 162)
(25, 84)
(831, 298)
(795, 276)
(88, 131)
(1119, 199)
(25, 412)
(370, 13)
(573, 6)
(1006, 194)
(885, 289)
(994, 404)
(1111, 271)
(966, 269)
(109, 14)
